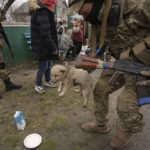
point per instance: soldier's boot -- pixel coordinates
(10, 85)
(93, 127)
(121, 139)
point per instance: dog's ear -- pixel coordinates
(62, 71)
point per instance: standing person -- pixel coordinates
(4, 74)
(61, 30)
(44, 40)
(77, 37)
(128, 37)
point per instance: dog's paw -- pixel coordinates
(77, 90)
(61, 94)
(59, 90)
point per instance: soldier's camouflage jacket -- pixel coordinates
(134, 24)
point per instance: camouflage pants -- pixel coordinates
(4, 74)
(127, 106)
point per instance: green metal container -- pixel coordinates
(20, 47)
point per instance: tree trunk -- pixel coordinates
(5, 9)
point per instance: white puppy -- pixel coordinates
(68, 77)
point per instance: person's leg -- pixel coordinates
(77, 46)
(73, 49)
(5, 76)
(48, 70)
(47, 73)
(80, 47)
(42, 68)
(131, 121)
(101, 98)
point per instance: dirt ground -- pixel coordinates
(57, 121)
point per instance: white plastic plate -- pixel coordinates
(32, 140)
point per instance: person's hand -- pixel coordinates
(55, 53)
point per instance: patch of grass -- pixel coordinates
(77, 148)
(36, 122)
(59, 122)
(6, 118)
(48, 144)
(11, 140)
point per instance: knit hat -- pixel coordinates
(49, 3)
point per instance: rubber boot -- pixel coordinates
(10, 86)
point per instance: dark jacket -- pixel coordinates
(44, 39)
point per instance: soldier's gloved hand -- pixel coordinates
(2, 65)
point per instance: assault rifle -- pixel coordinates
(87, 62)
(2, 31)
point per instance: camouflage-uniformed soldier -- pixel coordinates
(127, 40)
(4, 74)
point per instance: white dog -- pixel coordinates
(68, 77)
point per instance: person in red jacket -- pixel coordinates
(77, 37)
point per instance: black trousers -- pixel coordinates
(78, 47)
(72, 52)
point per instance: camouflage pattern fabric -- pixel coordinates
(127, 107)
(4, 74)
(133, 28)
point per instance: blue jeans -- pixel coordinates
(44, 69)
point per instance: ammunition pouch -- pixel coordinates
(141, 52)
(114, 14)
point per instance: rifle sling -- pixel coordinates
(103, 28)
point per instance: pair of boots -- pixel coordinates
(120, 140)
(10, 85)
